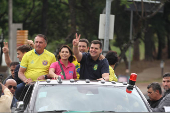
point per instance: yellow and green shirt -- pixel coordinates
(112, 76)
(37, 65)
(77, 65)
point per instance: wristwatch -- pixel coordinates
(45, 76)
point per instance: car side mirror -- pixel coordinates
(20, 106)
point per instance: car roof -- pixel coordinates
(84, 82)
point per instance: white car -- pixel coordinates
(83, 96)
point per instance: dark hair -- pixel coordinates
(71, 58)
(155, 86)
(97, 42)
(112, 57)
(166, 75)
(84, 40)
(23, 48)
(43, 36)
(14, 63)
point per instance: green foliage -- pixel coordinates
(87, 12)
(54, 44)
(3, 6)
(126, 3)
(0, 31)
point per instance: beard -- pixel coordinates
(166, 88)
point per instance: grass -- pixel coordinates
(159, 80)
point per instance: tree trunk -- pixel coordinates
(168, 38)
(124, 58)
(160, 46)
(136, 52)
(125, 61)
(71, 35)
(148, 44)
(44, 17)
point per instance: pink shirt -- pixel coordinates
(70, 70)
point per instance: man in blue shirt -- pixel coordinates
(90, 65)
(12, 69)
(11, 84)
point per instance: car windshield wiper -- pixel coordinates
(67, 111)
(54, 111)
(108, 111)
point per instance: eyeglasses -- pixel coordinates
(12, 70)
(14, 87)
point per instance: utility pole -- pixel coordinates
(12, 33)
(10, 20)
(107, 27)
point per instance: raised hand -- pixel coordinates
(30, 43)
(76, 40)
(5, 49)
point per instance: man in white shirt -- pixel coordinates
(6, 99)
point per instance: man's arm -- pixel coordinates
(105, 76)
(7, 92)
(3, 87)
(5, 50)
(76, 52)
(164, 102)
(22, 76)
(105, 70)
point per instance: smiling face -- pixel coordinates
(20, 55)
(64, 53)
(82, 47)
(95, 51)
(40, 44)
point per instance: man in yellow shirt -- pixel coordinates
(35, 63)
(6, 99)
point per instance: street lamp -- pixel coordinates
(162, 67)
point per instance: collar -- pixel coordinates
(37, 53)
(69, 64)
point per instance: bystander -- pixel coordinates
(166, 97)
(155, 94)
(6, 99)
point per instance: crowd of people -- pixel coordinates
(157, 100)
(80, 62)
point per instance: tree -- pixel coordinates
(167, 25)
(44, 17)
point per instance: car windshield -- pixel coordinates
(88, 98)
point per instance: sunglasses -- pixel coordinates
(14, 87)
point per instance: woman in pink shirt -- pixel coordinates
(65, 58)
